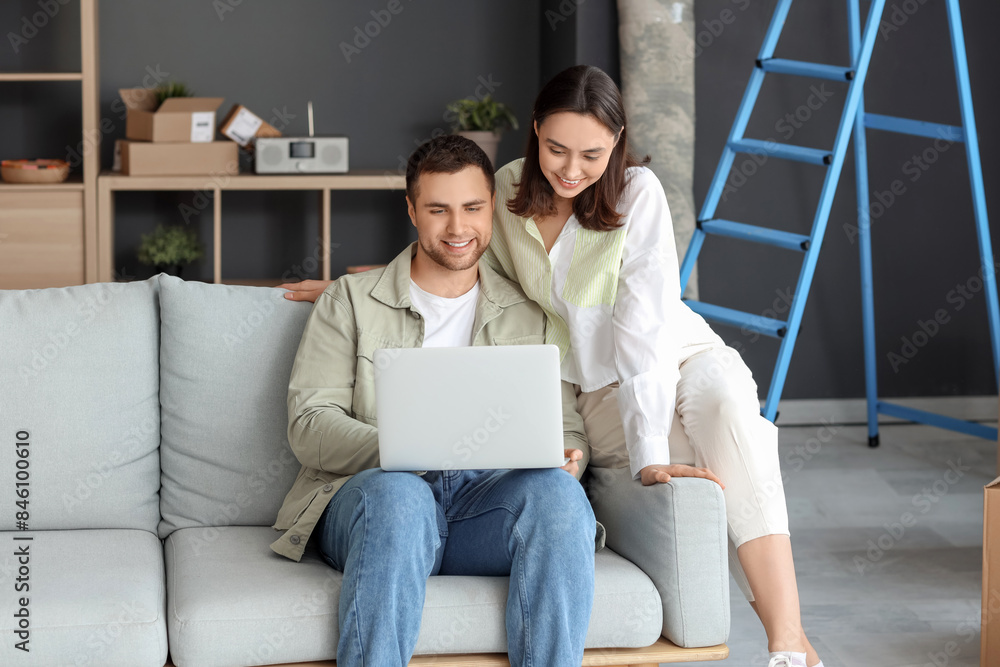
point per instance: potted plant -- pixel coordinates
(170, 249)
(172, 89)
(482, 120)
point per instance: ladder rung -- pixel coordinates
(917, 128)
(737, 318)
(801, 68)
(784, 151)
(754, 234)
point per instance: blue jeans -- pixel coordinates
(388, 531)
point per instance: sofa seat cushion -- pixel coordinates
(231, 600)
(95, 598)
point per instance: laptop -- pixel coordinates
(469, 408)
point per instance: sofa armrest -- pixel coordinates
(676, 534)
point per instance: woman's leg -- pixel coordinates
(718, 406)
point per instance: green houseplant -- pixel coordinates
(482, 120)
(170, 249)
(172, 89)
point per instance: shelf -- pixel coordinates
(358, 179)
(41, 76)
(73, 183)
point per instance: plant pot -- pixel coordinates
(488, 141)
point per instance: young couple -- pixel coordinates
(582, 229)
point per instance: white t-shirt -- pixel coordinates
(447, 322)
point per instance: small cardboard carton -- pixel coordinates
(177, 119)
(145, 158)
(990, 649)
(243, 126)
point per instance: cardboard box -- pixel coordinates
(145, 158)
(178, 119)
(243, 126)
(990, 647)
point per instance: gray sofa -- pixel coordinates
(151, 416)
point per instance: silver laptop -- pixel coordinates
(469, 408)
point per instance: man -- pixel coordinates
(388, 531)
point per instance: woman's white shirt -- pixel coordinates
(625, 319)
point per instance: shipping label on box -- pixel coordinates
(202, 126)
(243, 126)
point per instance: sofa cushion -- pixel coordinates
(225, 359)
(231, 600)
(94, 598)
(80, 381)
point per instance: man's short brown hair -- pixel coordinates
(447, 154)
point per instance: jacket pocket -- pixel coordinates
(363, 404)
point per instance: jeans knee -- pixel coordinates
(398, 498)
(559, 502)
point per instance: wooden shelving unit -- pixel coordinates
(110, 182)
(48, 233)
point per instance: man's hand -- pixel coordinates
(573, 455)
(307, 290)
(656, 474)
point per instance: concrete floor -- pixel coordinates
(876, 592)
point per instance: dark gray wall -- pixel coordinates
(924, 242)
(270, 55)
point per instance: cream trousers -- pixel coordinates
(717, 426)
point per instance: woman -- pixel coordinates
(585, 229)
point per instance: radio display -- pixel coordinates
(300, 149)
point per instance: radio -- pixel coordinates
(305, 155)
(301, 155)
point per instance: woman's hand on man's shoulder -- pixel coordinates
(307, 290)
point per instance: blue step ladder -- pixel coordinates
(853, 120)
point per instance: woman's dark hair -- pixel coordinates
(446, 154)
(585, 90)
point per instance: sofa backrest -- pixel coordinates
(225, 358)
(79, 411)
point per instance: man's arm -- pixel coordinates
(574, 435)
(322, 432)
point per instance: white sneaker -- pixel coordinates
(785, 660)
